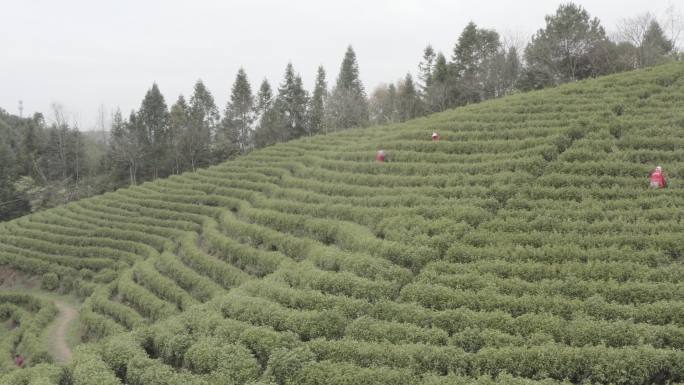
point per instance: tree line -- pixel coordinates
(572, 46)
(157, 140)
(43, 165)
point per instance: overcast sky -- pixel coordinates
(86, 53)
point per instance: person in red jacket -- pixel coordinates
(380, 156)
(658, 178)
(19, 360)
(435, 137)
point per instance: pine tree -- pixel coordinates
(316, 111)
(239, 114)
(153, 119)
(204, 118)
(348, 105)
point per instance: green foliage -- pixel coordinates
(347, 106)
(562, 51)
(49, 281)
(228, 364)
(523, 248)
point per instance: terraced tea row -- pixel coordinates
(524, 247)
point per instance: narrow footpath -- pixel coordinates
(59, 348)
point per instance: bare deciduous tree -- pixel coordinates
(633, 29)
(673, 23)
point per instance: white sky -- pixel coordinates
(86, 53)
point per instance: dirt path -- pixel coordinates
(59, 348)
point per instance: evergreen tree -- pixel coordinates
(126, 151)
(511, 70)
(239, 114)
(655, 46)
(408, 99)
(204, 117)
(426, 67)
(267, 116)
(472, 64)
(31, 148)
(561, 51)
(153, 120)
(56, 160)
(12, 204)
(179, 127)
(437, 95)
(264, 100)
(273, 126)
(316, 110)
(348, 105)
(291, 102)
(76, 157)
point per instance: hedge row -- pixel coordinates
(198, 286)
(440, 298)
(144, 301)
(145, 274)
(640, 365)
(220, 272)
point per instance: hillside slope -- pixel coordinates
(525, 246)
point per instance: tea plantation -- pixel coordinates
(523, 248)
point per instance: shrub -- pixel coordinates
(49, 281)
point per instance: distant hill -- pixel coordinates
(523, 248)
